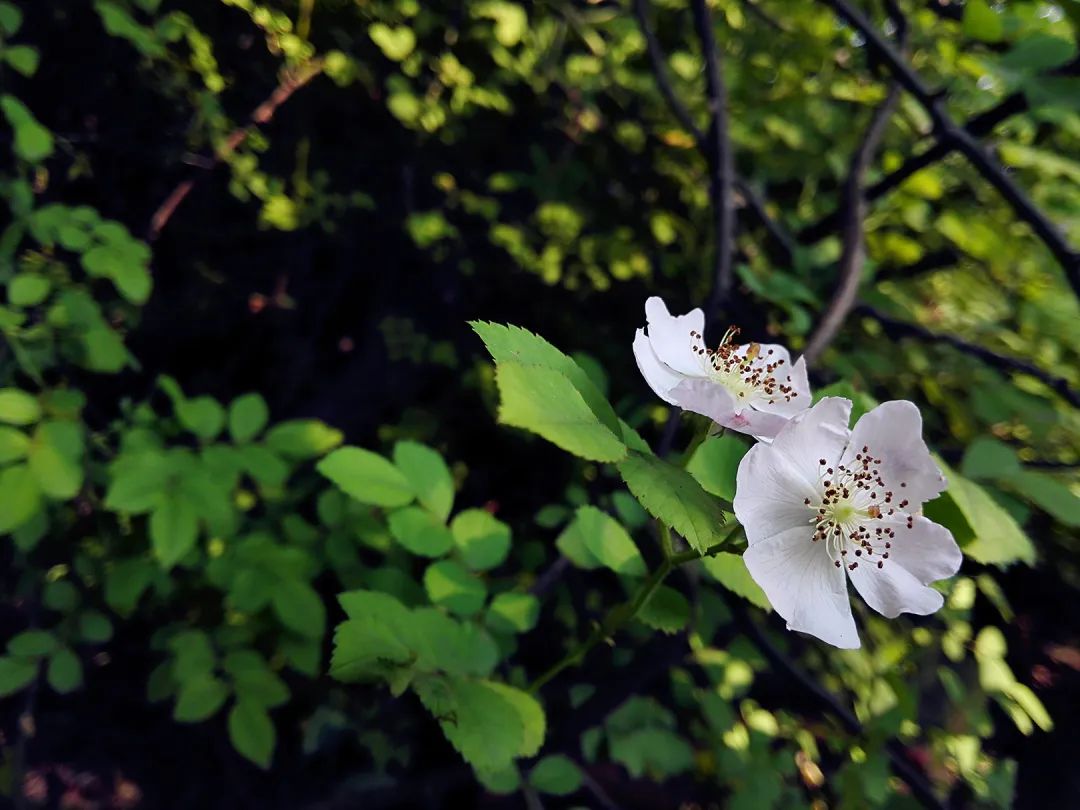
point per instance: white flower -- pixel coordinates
(823, 504)
(752, 388)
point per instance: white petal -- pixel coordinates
(818, 433)
(770, 495)
(659, 377)
(706, 397)
(671, 339)
(891, 589)
(762, 426)
(893, 433)
(804, 586)
(795, 376)
(927, 550)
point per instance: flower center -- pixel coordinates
(848, 514)
(745, 373)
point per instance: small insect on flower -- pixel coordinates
(823, 504)
(752, 388)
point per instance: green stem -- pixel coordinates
(619, 615)
(665, 541)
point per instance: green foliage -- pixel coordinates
(673, 495)
(217, 536)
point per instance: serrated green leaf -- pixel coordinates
(482, 539)
(55, 459)
(32, 644)
(14, 444)
(174, 529)
(22, 58)
(512, 344)
(490, 724)
(15, 674)
(18, 407)
(1048, 494)
(300, 608)
(715, 463)
(367, 477)
(28, 290)
(450, 585)
(65, 671)
(248, 416)
(513, 612)
(666, 610)
(33, 142)
(200, 699)
(606, 541)
(429, 476)
(20, 497)
(125, 583)
(981, 22)
(545, 402)
(10, 19)
(988, 458)
(673, 496)
(252, 732)
(998, 540)
(303, 439)
(420, 532)
(94, 627)
(730, 571)
(203, 416)
(557, 775)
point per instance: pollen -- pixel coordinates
(744, 369)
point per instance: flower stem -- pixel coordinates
(619, 615)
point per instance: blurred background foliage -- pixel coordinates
(309, 200)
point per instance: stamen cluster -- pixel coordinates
(728, 364)
(854, 495)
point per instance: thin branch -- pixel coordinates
(900, 329)
(784, 242)
(292, 81)
(721, 158)
(948, 131)
(979, 125)
(853, 256)
(658, 62)
(934, 260)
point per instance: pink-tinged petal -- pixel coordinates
(816, 434)
(671, 336)
(770, 496)
(659, 377)
(787, 374)
(804, 586)
(714, 400)
(891, 589)
(927, 550)
(892, 432)
(706, 397)
(762, 426)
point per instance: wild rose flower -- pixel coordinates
(752, 387)
(823, 504)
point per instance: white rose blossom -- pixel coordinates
(823, 504)
(752, 388)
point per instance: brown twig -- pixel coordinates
(752, 201)
(853, 256)
(721, 160)
(948, 131)
(897, 329)
(291, 81)
(979, 126)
